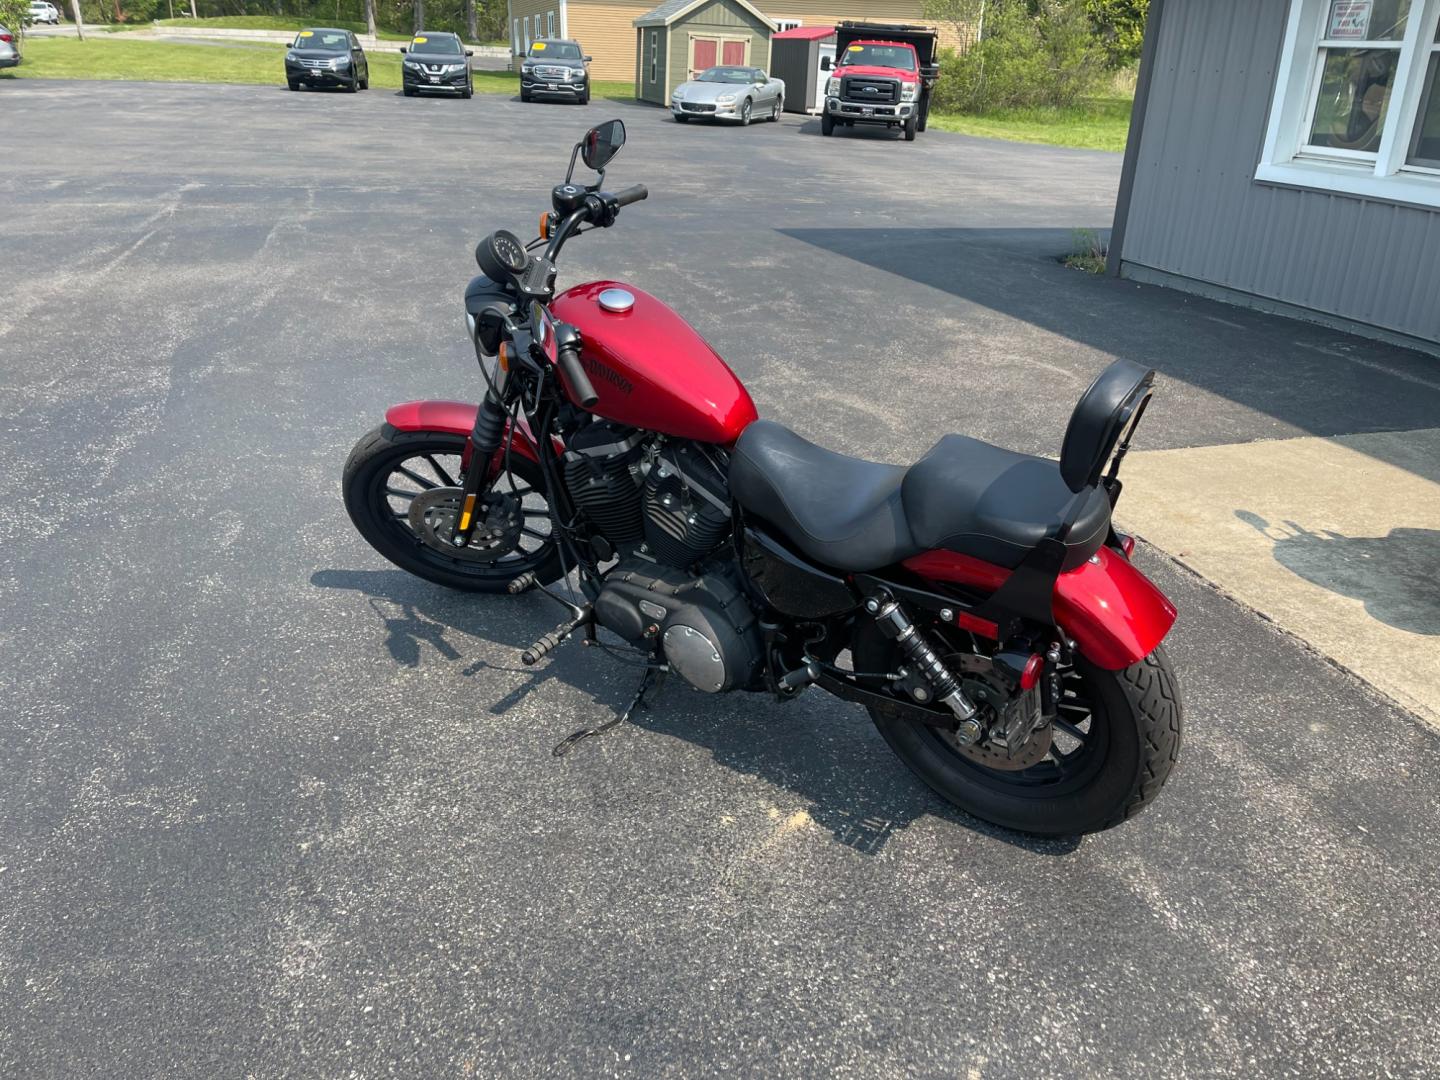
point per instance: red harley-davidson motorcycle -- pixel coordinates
(978, 603)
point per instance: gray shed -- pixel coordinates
(795, 57)
(681, 38)
(1285, 155)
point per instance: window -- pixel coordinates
(549, 24)
(1357, 108)
(654, 55)
(515, 36)
(525, 23)
(786, 24)
(1425, 142)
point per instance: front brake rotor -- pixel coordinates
(434, 514)
(986, 690)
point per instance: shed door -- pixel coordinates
(822, 76)
(703, 53)
(734, 52)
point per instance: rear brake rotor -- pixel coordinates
(434, 513)
(985, 689)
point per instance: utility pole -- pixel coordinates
(79, 20)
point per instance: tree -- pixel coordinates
(419, 15)
(1120, 28)
(79, 19)
(472, 29)
(13, 14)
(370, 17)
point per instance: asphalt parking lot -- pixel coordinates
(272, 808)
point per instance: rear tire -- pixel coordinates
(368, 486)
(1135, 725)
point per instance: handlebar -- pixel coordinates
(580, 385)
(632, 195)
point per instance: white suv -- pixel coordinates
(41, 11)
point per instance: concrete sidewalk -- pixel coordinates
(1337, 540)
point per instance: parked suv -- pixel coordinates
(323, 56)
(9, 49)
(41, 11)
(555, 67)
(437, 61)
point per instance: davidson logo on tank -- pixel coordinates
(613, 377)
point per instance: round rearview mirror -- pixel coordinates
(602, 143)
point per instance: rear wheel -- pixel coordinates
(388, 470)
(1113, 746)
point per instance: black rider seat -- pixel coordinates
(964, 496)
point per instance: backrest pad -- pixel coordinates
(1098, 421)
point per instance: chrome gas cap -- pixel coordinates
(617, 300)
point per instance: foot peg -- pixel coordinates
(553, 640)
(806, 675)
(521, 584)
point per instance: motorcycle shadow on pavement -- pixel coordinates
(1393, 575)
(823, 750)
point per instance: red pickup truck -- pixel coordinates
(883, 74)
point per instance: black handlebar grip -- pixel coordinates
(580, 386)
(632, 195)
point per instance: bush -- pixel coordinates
(1033, 53)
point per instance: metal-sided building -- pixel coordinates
(681, 38)
(1285, 154)
(796, 57)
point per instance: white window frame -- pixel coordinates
(654, 56)
(781, 25)
(1286, 160)
(550, 24)
(515, 37)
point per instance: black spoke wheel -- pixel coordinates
(1113, 744)
(388, 470)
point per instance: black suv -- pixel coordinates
(436, 62)
(555, 68)
(323, 56)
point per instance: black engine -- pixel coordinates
(663, 509)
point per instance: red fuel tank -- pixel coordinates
(652, 370)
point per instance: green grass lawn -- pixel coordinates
(1102, 123)
(272, 22)
(113, 57)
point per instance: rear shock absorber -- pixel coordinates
(896, 625)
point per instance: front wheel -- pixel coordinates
(910, 129)
(779, 108)
(827, 125)
(388, 470)
(745, 113)
(1114, 744)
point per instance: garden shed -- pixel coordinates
(795, 57)
(681, 38)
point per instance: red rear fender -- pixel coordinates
(1111, 610)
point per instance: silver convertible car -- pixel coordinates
(729, 93)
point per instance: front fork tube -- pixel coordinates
(484, 442)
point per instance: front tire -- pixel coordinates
(910, 129)
(827, 125)
(1131, 745)
(745, 113)
(388, 468)
(779, 108)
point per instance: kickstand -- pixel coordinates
(652, 678)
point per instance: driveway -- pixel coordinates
(273, 808)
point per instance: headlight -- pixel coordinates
(832, 88)
(450, 69)
(909, 91)
(527, 69)
(290, 56)
(340, 62)
(725, 99)
(411, 64)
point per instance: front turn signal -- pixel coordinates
(545, 226)
(505, 356)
